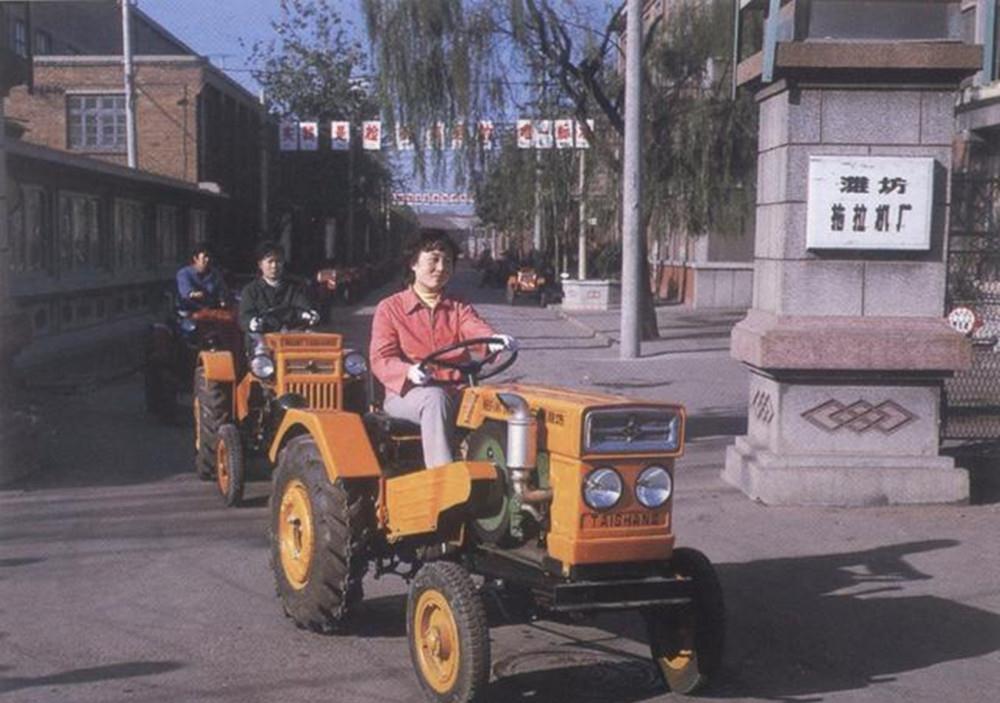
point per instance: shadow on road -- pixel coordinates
(124, 670)
(815, 625)
(797, 627)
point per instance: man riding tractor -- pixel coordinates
(202, 317)
(232, 418)
(560, 503)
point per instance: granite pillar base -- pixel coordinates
(843, 480)
(861, 441)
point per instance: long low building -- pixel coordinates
(92, 242)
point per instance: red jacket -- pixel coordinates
(405, 331)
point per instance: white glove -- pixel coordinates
(504, 341)
(310, 316)
(417, 376)
(255, 324)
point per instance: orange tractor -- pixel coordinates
(561, 503)
(237, 402)
(528, 282)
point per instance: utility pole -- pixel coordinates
(262, 135)
(129, 83)
(536, 241)
(349, 254)
(581, 253)
(632, 184)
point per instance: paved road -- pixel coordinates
(123, 579)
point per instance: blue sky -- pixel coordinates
(214, 28)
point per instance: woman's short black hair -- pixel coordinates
(427, 240)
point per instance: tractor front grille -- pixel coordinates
(633, 430)
(319, 395)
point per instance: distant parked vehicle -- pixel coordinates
(528, 282)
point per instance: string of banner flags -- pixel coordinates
(531, 134)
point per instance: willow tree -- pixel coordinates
(312, 69)
(457, 61)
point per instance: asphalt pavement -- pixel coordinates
(123, 579)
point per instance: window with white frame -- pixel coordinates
(128, 235)
(43, 43)
(79, 243)
(30, 232)
(96, 122)
(166, 235)
(197, 227)
(20, 43)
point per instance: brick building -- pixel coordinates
(193, 123)
(90, 242)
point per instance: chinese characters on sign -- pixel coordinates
(870, 202)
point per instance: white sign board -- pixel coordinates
(870, 202)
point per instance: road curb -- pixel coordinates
(584, 326)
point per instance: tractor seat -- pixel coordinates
(394, 427)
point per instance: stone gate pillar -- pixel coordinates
(846, 339)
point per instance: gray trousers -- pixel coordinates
(432, 408)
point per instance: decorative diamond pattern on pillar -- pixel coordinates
(763, 408)
(860, 416)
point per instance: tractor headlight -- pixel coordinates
(654, 486)
(355, 364)
(602, 488)
(262, 366)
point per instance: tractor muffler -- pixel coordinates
(522, 454)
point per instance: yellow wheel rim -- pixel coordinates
(678, 659)
(222, 466)
(436, 639)
(296, 540)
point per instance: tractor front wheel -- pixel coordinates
(230, 465)
(448, 634)
(212, 409)
(687, 644)
(318, 535)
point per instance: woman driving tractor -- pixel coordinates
(408, 326)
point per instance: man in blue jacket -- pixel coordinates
(198, 284)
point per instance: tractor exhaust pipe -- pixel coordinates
(522, 454)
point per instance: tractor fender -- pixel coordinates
(416, 501)
(341, 438)
(218, 365)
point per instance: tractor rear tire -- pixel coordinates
(687, 646)
(230, 465)
(318, 534)
(448, 634)
(212, 409)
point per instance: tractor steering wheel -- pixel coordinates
(470, 369)
(273, 319)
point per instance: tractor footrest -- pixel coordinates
(619, 594)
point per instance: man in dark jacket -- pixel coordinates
(274, 291)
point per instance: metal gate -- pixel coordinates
(971, 404)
